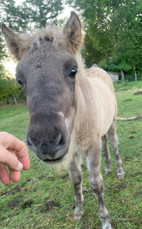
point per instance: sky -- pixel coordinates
(10, 65)
(65, 13)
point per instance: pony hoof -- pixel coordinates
(78, 214)
(106, 226)
(121, 176)
(77, 217)
(107, 171)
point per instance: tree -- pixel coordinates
(8, 89)
(113, 30)
(31, 13)
(128, 35)
(2, 52)
(98, 41)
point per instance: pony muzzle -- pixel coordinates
(49, 151)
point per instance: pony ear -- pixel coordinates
(17, 43)
(73, 32)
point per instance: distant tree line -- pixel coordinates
(113, 34)
(10, 92)
(21, 17)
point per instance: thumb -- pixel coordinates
(10, 159)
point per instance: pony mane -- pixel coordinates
(52, 33)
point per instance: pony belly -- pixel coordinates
(107, 121)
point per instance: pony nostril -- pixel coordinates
(30, 142)
(47, 143)
(60, 140)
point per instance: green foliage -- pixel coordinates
(113, 33)
(98, 42)
(114, 65)
(44, 198)
(2, 51)
(31, 13)
(8, 88)
(126, 86)
(126, 26)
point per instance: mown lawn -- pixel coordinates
(44, 198)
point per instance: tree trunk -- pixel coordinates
(136, 78)
(122, 76)
(15, 100)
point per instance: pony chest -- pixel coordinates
(84, 135)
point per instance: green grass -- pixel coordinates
(45, 199)
(127, 85)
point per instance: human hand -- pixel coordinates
(13, 158)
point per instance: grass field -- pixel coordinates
(45, 199)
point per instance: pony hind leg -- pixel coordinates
(114, 143)
(106, 155)
(76, 177)
(96, 183)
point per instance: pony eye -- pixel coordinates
(73, 72)
(19, 81)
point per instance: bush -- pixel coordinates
(9, 90)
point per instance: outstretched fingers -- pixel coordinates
(8, 175)
(17, 147)
(4, 175)
(15, 175)
(10, 159)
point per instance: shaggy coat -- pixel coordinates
(72, 110)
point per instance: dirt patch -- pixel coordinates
(85, 227)
(17, 189)
(48, 205)
(27, 204)
(12, 191)
(137, 173)
(51, 178)
(138, 93)
(117, 187)
(127, 100)
(65, 176)
(131, 137)
(138, 194)
(127, 158)
(15, 202)
(25, 183)
(41, 177)
(133, 132)
(121, 186)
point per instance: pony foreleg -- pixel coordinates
(96, 183)
(76, 177)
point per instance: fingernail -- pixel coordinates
(20, 166)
